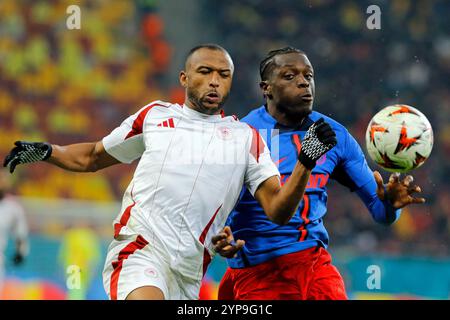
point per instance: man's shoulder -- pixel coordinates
(255, 117)
(158, 109)
(162, 106)
(337, 126)
(236, 124)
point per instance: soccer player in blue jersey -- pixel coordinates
(291, 261)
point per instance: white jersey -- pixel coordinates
(188, 179)
(12, 222)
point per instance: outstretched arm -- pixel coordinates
(81, 157)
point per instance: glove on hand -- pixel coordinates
(27, 152)
(319, 139)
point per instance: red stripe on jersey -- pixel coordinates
(138, 244)
(205, 231)
(297, 142)
(304, 216)
(206, 256)
(124, 218)
(257, 144)
(167, 123)
(139, 121)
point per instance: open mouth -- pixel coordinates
(213, 97)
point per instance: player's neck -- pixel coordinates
(288, 120)
(201, 109)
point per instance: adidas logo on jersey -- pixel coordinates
(167, 123)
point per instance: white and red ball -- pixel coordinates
(399, 138)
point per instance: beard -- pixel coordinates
(198, 102)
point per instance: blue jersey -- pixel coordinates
(344, 163)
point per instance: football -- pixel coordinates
(399, 138)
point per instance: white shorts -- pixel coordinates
(132, 263)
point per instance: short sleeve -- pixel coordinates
(260, 166)
(126, 142)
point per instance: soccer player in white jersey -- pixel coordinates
(12, 222)
(193, 163)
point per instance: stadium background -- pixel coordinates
(67, 86)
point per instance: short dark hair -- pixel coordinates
(267, 64)
(211, 46)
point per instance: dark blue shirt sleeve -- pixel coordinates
(382, 211)
(355, 173)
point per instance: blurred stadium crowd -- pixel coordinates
(69, 86)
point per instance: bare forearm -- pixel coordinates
(285, 201)
(75, 157)
(280, 204)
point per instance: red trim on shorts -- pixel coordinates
(304, 216)
(139, 121)
(206, 256)
(138, 244)
(257, 144)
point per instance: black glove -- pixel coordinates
(27, 152)
(318, 140)
(17, 259)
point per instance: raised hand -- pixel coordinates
(225, 245)
(319, 138)
(399, 192)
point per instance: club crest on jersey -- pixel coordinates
(224, 133)
(151, 273)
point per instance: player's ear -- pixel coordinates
(266, 89)
(183, 78)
